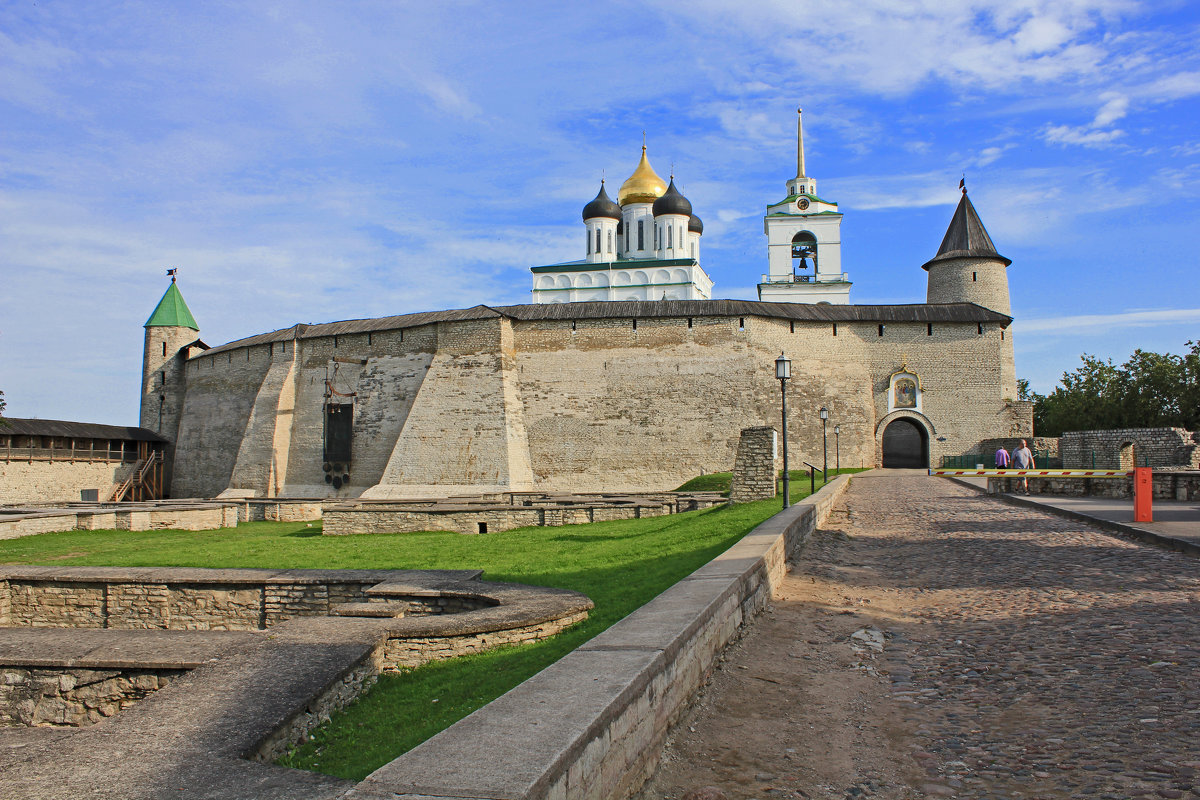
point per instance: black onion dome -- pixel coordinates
(672, 202)
(695, 225)
(602, 206)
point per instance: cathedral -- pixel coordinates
(622, 375)
(645, 246)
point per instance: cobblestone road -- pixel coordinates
(1024, 656)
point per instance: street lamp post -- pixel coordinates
(783, 371)
(824, 443)
(837, 447)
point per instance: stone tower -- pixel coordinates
(967, 269)
(171, 332)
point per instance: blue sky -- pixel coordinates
(313, 161)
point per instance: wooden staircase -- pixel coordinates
(144, 484)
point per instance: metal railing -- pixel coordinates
(64, 454)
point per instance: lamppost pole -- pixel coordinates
(824, 444)
(837, 447)
(783, 371)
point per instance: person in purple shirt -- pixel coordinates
(1001, 458)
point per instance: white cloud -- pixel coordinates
(1097, 323)
(1082, 135)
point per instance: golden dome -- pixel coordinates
(643, 186)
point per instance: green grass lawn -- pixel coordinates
(620, 565)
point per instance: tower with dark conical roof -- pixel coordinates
(171, 332)
(967, 269)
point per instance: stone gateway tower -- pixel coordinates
(171, 335)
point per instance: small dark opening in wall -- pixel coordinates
(335, 341)
(974, 276)
(689, 322)
(792, 326)
(1002, 336)
(881, 330)
(929, 329)
(835, 329)
(482, 527)
(402, 335)
(635, 324)
(283, 348)
(572, 324)
(368, 338)
(741, 323)
(271, 349)
(247, 353)
(979, 327)
(164, 348)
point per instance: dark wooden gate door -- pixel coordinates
(905, 445)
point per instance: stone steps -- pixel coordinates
(381, 609)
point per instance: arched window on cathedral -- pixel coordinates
(610, 241)
(641, 234)
(589, 242)
(670, 236)
(597, 240)
(804, 251)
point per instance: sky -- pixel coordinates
(316, 161)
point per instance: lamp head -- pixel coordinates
(783, 367)
(824, 413)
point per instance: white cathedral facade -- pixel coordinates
(646, 246)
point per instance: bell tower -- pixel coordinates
(804, 242)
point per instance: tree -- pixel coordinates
(1150, 390)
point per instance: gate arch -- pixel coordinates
(905, 444)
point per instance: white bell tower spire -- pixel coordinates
(804, 242)
(801, 184)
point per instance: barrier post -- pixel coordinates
(1143, 494)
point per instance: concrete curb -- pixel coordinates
(1121, 529)
(592, 724)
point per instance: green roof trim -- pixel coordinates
(172, 312)
(793, 197)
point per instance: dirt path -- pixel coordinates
(930, 642)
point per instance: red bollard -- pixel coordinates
(1143, 494)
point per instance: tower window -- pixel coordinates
(693, 249)
(974, 276)
(597, 240)
(792, 326)
(635, 324)
(588, 238)
(656, 236)
(689, 322)
(626, 238)
(164, 348)
(980, 328)
(335, 341)
(929, 329)
(835, 329)
(641, 234)
(368, 338)
(881, 330)
(610, 241)
(1002, 336)
(670, 236)
(741, 323)
(572, 325)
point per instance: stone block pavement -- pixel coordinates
(932, 641)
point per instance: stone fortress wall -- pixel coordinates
(580, 397)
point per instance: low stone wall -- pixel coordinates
(1111, 449)
(616, 697)
(278, 510)
(123, 517)
(169, 599)
(41, 697)
(400, 653)
(754, 467)
(487, 516)
(1167, 485)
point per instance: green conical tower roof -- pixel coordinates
(172, 312)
